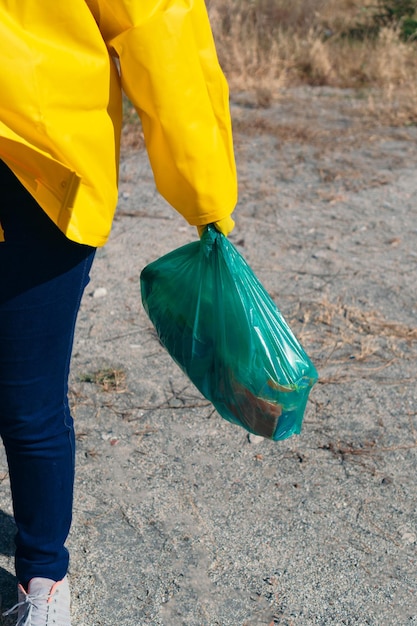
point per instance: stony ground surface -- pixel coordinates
(181, 519)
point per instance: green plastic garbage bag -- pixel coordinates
(222, 328)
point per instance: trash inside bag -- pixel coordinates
(222, 328)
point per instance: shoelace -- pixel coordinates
(29, 603)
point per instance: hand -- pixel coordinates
(224, 226)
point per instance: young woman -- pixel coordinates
(64, 67)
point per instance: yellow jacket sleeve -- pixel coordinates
(170, 72)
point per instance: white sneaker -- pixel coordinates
(46, 603)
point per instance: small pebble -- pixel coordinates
(255, 438)
(100, 292)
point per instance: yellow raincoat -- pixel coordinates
(63, 68)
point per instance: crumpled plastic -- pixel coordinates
(222, 328)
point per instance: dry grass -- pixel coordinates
(352, 342)
(270, 44)
(108, 379)
(350, 321)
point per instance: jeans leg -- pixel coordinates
(42, 279)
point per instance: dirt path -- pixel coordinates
(179, 518)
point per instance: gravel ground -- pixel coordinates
(181, 519)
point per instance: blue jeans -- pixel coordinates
(42, 278)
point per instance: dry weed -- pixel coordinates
(344, 333)
(271, 44)
(108, 378)
(371, 323)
